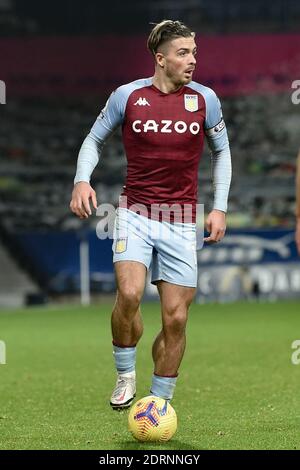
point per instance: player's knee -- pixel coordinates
(175, 319)
(177, 324)
(129, 297)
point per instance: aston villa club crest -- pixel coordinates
(191, 103)
(121, 245)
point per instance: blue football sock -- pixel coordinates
(163, 387)
(124, 359)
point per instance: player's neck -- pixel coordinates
(164, 84)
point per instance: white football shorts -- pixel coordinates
(168, 249)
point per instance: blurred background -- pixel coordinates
(60, 61)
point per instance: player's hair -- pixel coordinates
(165, 31)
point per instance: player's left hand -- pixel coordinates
(216, 226)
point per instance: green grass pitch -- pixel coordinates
(237, 387)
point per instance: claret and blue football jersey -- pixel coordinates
(163, 136)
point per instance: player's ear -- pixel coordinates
(160, 59)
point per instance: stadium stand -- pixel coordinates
(80, 17)
(15, 284)
(52, 103)
(39, 143)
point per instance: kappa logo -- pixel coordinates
(141, 102)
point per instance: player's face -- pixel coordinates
(179, 59)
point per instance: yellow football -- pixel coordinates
(152, 419)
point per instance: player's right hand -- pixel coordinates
(80, 202)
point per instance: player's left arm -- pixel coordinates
(217, 139)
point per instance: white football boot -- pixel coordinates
(124, 391)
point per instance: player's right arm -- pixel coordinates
(297, 237)
(90, 152)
